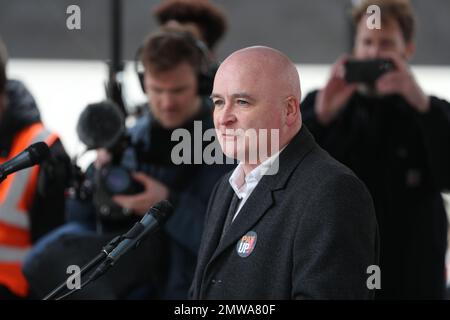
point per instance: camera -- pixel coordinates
(366, 71)
(112, 180)
(102, 125)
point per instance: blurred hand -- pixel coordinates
(335, 94)
(139, 203)
(401, 81)
(103, 157)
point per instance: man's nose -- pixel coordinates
(374, 51)
(166, 99)
(226, 116)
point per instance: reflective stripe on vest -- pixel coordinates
(16, 199)
(10, 254)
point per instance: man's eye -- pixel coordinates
(179, 90)
(387, 44)
(367, 42)
(156, 91)
(218, 103)
(242, 102)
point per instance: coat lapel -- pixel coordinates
(254, 208)
(217, 214)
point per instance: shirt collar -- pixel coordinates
(240, 182)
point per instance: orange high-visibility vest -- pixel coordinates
(16, 200)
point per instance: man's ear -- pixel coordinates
(410, 50)
(292, 110)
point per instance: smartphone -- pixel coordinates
(366, 71)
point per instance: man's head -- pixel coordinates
(199, 17)
(396, 33)
(255, 88)
(172, 63)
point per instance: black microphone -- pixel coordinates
(32, 155)
(151, 221)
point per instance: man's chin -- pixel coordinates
(170, 123)
(230, 150)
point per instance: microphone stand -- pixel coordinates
(86, 268)
(2, 175)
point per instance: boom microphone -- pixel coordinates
(101, 125)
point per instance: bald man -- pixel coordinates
(292, 223)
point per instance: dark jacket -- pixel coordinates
(315, 227)
(48, 206)
(403, 157)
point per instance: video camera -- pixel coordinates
(102, 125)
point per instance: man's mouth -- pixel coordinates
(229, 136)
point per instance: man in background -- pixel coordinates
(161, 267)
(396, 139)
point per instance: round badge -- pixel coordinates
(246, 245)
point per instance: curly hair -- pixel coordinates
(209, 18)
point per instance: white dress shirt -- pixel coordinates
(244, 185)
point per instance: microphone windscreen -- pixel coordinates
(101, 125)
(38, 152)
(163, 210)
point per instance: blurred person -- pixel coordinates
(204, 20)
(304, 231)
(396, 138)
(31, 200)
(172, 64)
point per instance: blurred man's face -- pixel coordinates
(372, 43)
(172, 95)
(244, 100)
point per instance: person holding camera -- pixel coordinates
(163, 266)
(373, 116)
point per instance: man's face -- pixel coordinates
(172, 95)
(244, 101)
(373, 43)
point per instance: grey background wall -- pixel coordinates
(309, 31)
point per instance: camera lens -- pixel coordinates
(117, 180)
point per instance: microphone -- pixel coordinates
(151, 221)
(31, 156)
(101, 125)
